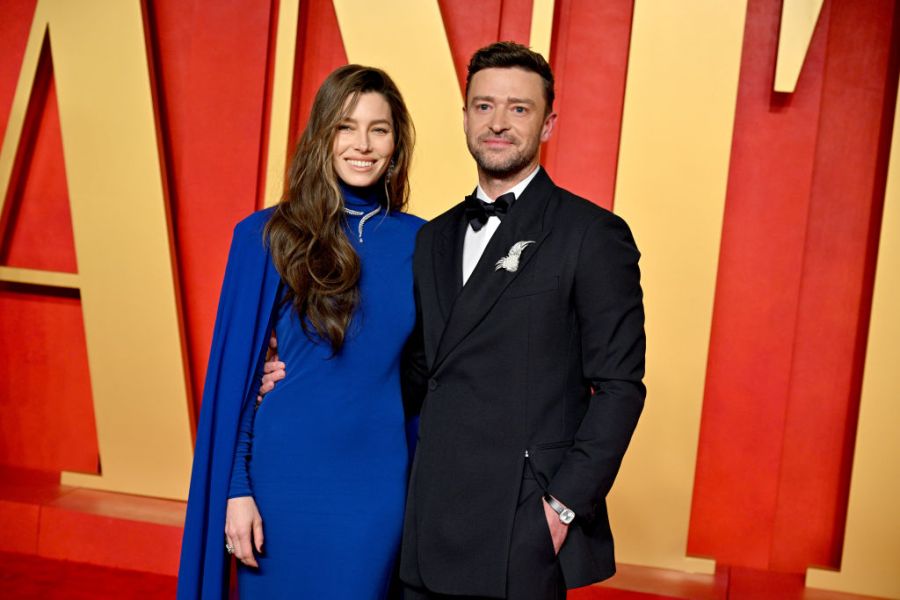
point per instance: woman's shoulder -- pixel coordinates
(255, 222)
(406, 227)
(410, 220)
(248, 236)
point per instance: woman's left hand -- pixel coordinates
(244, 529)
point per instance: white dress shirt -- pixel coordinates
(477, 241)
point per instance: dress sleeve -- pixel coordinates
(240, 474)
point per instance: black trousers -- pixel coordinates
(533, 572)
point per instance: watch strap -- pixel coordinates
(555, 504)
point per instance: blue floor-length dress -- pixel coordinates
(325, 455)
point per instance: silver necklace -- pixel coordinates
(365, 217)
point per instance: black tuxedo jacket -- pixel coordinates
(544, 361)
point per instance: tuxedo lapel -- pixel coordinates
(525, 222)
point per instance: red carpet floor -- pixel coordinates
(24, 577)
(605, 593)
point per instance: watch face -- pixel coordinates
(567, 516)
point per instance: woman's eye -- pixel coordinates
(381, 130)
(344, 127)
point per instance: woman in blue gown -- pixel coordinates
(316, 478)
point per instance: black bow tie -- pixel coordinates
(478, 211)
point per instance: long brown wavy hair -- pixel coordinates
(306, 232)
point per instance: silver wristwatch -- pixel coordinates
(566, 515)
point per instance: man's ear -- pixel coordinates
(549, 125)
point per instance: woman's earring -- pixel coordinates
(387, 184)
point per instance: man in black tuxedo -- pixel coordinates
(526, 363)
(525, 366)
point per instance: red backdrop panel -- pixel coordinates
(211, 66)
(835, 296)
(38, 220)
(472, 25)
(794, 286)
(14, 27)
(590, 61)
(45, 391)
(320, 50)
(760, 264)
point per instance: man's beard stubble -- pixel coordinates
(502, 168)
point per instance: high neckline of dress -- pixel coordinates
(361, 198)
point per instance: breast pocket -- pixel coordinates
(532, 287)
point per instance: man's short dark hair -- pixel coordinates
(507, 55)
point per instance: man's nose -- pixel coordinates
(498, 122)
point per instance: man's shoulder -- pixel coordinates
(592, 225)
(575, 210)
(446, 216)
(440, 221)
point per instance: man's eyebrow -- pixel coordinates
(509, 100)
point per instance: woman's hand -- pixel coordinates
(244, 529)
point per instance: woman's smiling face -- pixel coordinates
(364, 141)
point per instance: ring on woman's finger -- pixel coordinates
(229, 548)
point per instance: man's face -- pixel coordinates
(505, 120)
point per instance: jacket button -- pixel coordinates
(432, 384)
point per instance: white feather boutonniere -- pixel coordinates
(510, 262)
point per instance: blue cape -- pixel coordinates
(243, 323)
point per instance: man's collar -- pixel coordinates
(516, 189)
